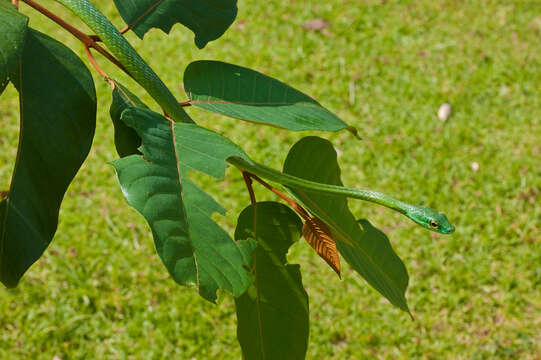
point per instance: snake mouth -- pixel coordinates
(449, 230)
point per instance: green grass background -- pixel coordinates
(100, 291)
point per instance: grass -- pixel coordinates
(100, 290)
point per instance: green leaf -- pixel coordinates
(207, 19)
(273, 321)
(249, 95)
(195, 250)
(126, 139)
(58, 119)
(13, 27)
(364, 247)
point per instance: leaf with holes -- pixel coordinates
(13, 28)
(319, 236)
(272, 314)
(363, 246)
(58, 118)
(249, 95)
(195, 250)
(207, 19)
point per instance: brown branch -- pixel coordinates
(98, 68)
(94, 63)
(96, 38)
(87, 40)
(290, 201)
(248, 181)
(185, 103)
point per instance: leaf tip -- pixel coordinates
(354, 131)
(200, 43)
(9, 280)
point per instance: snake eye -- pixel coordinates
(433, 224)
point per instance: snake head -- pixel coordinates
(430, 219)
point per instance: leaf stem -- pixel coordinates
(299, 209)
(248, 181)
(98, 68)
(87, 40)
(94, 63)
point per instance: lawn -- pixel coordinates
(101, 292)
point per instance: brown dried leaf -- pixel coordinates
(316, 24)
(318, 235)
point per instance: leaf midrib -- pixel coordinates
(144, 14)
(179, 175)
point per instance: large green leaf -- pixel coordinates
(126, 139)
(13, 27)
(195, 250)
(364, 247)
(249, 95)
(58, 118)
(207, 19)
(273, 321)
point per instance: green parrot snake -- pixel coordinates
(126, 54)
(422, 215)
(147, 78)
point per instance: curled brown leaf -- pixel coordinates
(318, 235)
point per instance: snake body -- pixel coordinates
(147, 78)
(126, 54)
(422, 215)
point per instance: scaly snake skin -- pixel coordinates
(422, 215)
(127, 55)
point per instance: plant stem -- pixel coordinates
(94, 63)
(98, 68)
(87, 40)
(248, 181)
(290, 201)
(125, 29)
